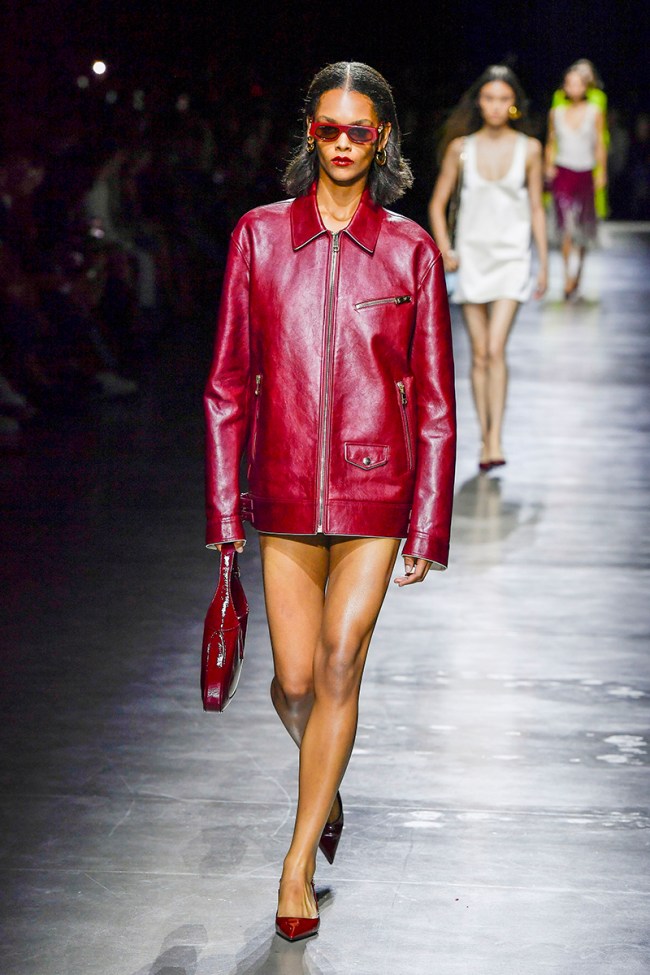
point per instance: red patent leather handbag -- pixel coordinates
(224, 634)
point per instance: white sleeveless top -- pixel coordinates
(576, 148)
(493, 238)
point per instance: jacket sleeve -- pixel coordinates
(226, 403)
(432, 366)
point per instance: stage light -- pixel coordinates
(99, 67)
(82, 81)
(111, 97)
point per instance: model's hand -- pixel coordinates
(600, 181)
(450, 260)
(239, 545)
(415, 570)
(550, 173)
(542, 283)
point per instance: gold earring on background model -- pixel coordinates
(380, 157)
(311, 143)
(514, 113)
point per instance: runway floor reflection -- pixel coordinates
(497, 801)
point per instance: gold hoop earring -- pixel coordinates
(380, 157)
(311, 143)
(514, 113)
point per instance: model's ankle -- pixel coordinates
(298, 868)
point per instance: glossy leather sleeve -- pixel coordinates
(433, 368)
(226, 403)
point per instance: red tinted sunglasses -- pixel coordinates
(362, 135)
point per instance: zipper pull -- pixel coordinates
(402, 393)
(335, 242)
(403, 300)
(258, 383)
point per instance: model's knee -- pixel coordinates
(338, 672)
(291, 693)
(479, 360)
(496, 357)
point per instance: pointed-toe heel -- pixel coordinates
(298, 928)
(331, 835)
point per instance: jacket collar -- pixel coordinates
(306, 223)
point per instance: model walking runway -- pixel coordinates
(496, 803)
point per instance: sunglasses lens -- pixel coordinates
(327, 133)
(360, 134)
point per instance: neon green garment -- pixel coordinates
(599, 99)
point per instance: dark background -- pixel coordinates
(430, 53)
(443, 44)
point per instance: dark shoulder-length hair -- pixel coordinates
(385, 183)
(466, 117)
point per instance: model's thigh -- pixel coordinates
(360, 571)
(476, 323)
(295, 572)
(502, 317)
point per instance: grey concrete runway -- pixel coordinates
(497, 800)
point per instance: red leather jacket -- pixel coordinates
(333, 370)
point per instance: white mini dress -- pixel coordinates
(493, 237)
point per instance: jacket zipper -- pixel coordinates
(326, 395)
(405, 420)
(399, 300)
(256, 420)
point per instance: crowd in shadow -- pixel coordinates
(114, 225)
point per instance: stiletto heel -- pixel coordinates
(298, 928)
(331, 835)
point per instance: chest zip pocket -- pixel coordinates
(373, 302)
(403, 400)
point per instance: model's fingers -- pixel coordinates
(239, 545)
(415, 571)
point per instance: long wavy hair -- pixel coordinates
(466, 116)
(385, 183)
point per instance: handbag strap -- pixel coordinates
(229, 565)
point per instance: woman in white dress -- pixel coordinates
(500, 174)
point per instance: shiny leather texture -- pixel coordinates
(331, 835)
(224, 635)
(333, 371)
(298, 928)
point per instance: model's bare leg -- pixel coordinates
(581, 260)
(360, 571)
(502, 316)
(295, 573)
(476, 322)
(567, 250)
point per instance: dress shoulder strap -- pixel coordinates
(521, 151)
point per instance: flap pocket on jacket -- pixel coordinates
(367, 456)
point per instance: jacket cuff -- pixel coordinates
(219, 530)
(421, 546)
